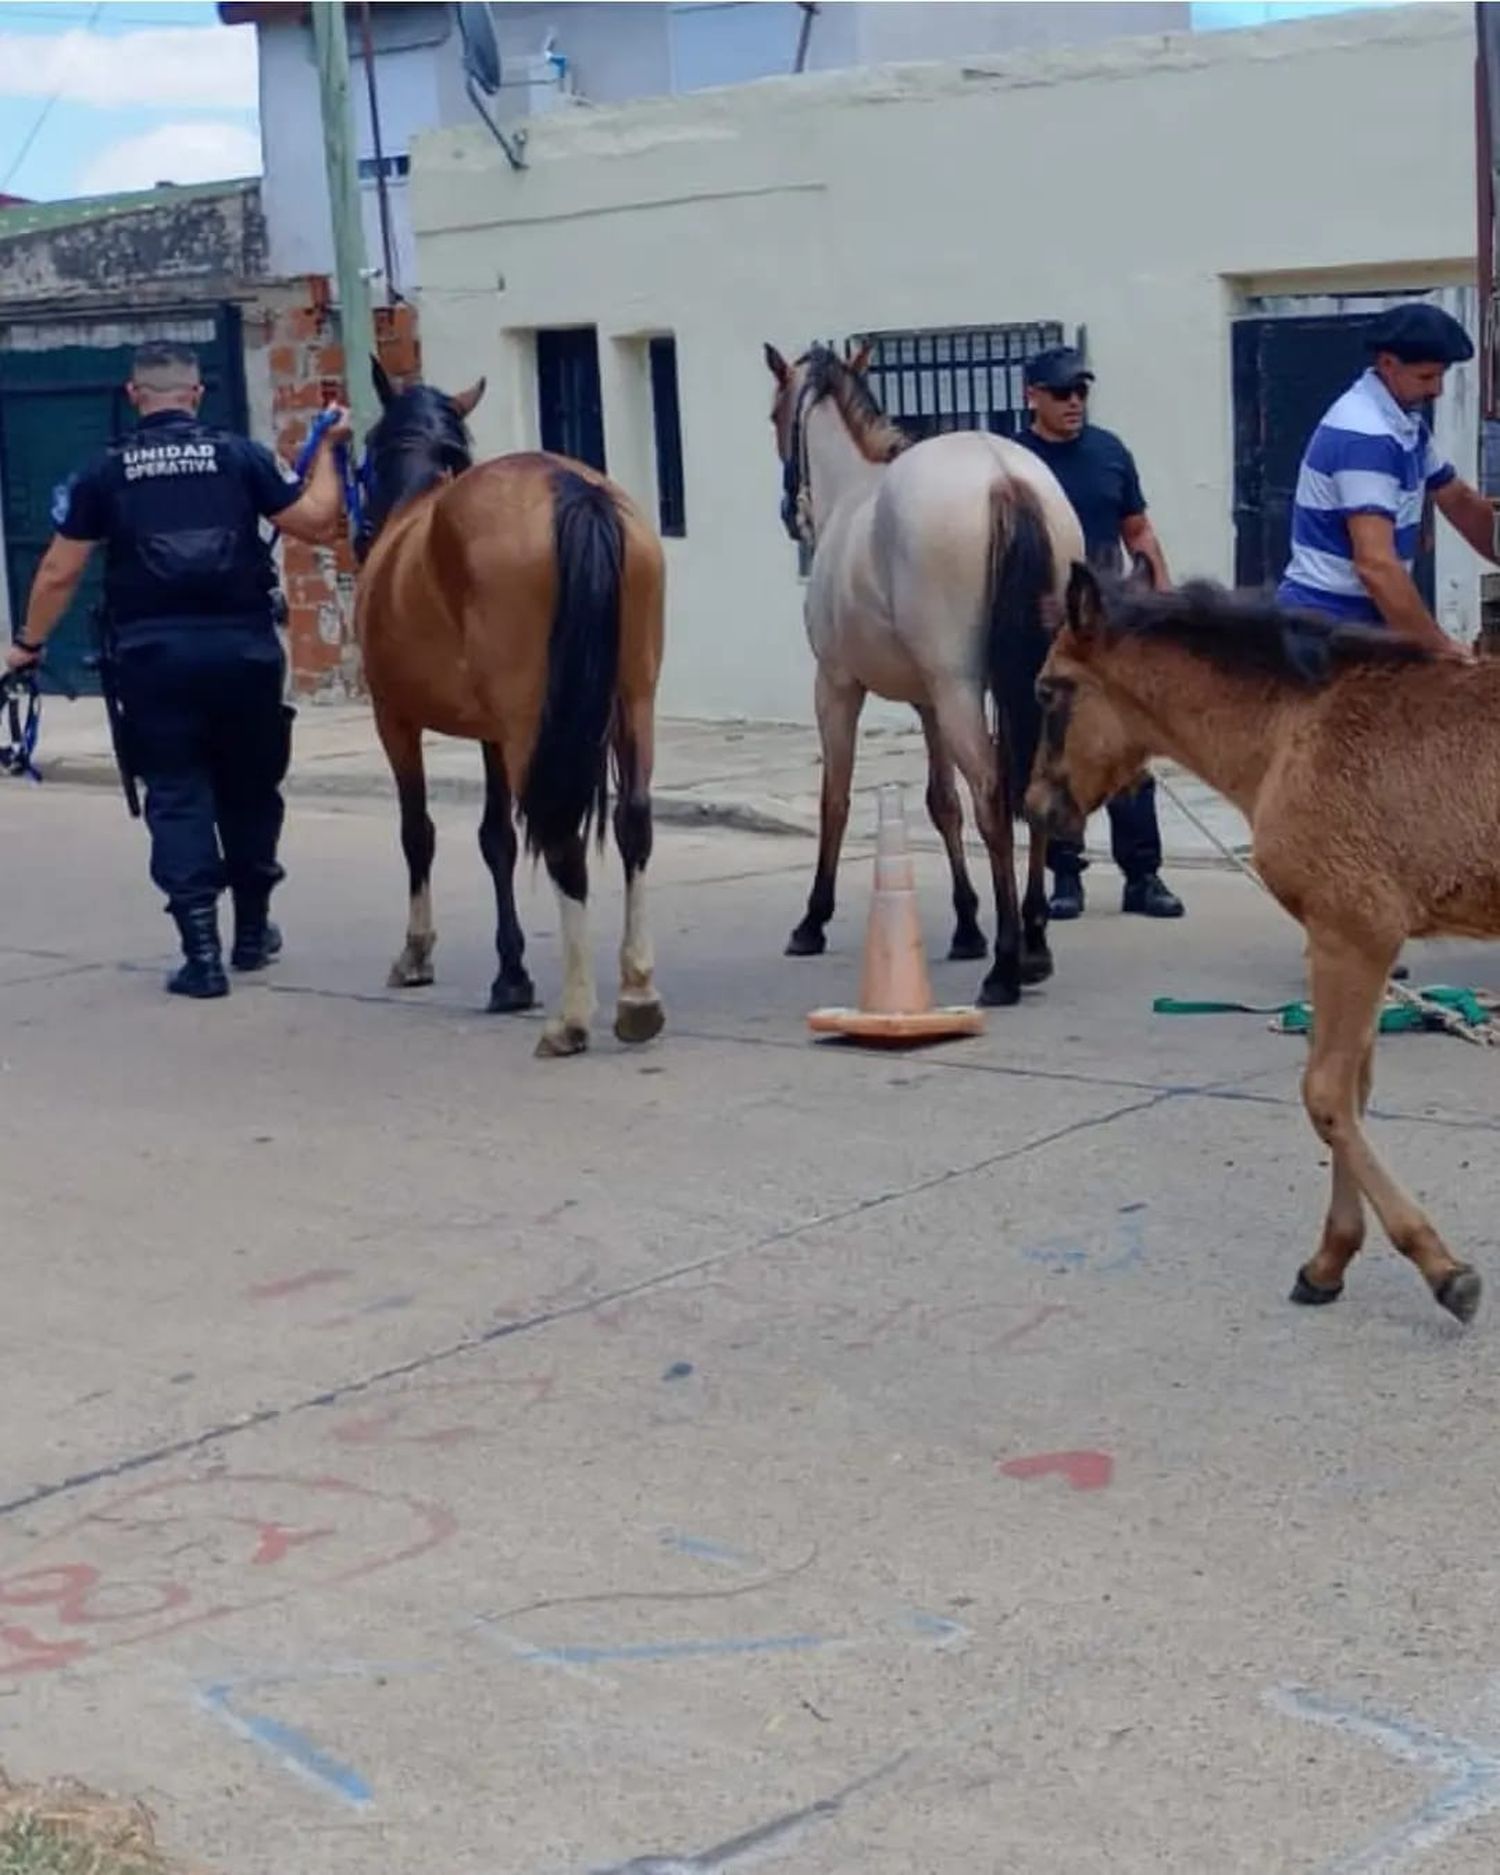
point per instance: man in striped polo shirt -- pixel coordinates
(1357, 513)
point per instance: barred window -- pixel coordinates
(957, 377)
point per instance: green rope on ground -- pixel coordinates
(1405, 1017)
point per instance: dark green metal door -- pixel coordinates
(61, 401)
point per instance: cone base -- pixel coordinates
(894, 1031)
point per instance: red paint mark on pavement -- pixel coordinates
(294, 1285)
(1032, 1323)
(1085, 1471)
(121, 1586)
(278, 1540)
(380, 1428)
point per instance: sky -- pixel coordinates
(99, 96)
(96, 98)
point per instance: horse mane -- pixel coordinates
(828, 376)
(419, 439)
(1247, 635)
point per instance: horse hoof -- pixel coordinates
(561, 1039)
(807, 941)
(1314, 1295)
(999, 993)
(1036, 968)
(1459, 1294)
(406, 974)
(510, 996)
(968, 947)
(637, 1022)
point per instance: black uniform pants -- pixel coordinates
(210, 738)
(1134, 837)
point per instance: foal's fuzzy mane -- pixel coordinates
(828, 376)
(1248, 635)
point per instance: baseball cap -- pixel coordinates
(1057, 369)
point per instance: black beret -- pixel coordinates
(1420, 335)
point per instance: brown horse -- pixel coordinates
(1341, 747)
(517, 603)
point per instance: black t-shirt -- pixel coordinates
(179, 507)
(1098, 475)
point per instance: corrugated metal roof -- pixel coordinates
(41, 217)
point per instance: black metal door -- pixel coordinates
(570, 401)
(1286, 374)
(57, 406)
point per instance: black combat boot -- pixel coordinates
(256, 939)
(1067, 896)
(1150, 897)
(202, 974)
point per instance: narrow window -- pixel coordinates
(570, 402)
(666, 418)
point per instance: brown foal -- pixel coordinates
(1369, 770)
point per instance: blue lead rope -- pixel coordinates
(18, 756)
(351, 478)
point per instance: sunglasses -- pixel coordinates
(1080, 391)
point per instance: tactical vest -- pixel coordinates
(185, 542)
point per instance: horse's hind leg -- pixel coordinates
(947, 813)
(568, 1032)
(1348, 987)
(512, 989)
(960, 713)
(402, 743)
(639, 1015)
(838, 707)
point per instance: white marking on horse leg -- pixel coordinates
(638, 1015)
(568, 1033)
(414, 966)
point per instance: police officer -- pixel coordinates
(189, 585)
(1098, 475)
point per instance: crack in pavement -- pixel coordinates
(503, 1331)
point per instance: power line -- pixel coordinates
(43, 114)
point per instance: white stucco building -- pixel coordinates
(560, 55)
(1212, 212)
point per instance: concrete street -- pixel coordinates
(738, 1453)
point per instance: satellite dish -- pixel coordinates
(482, 71)
(476, 28)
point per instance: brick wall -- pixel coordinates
(306, 365)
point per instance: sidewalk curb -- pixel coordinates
(670, 809)
(687, 810)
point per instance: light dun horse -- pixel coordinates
(934, 567)
(519, 604)
(1369, 771)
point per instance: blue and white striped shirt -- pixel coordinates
(1367, 456)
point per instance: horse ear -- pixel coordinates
(1142, 573)
(858, 360)
(1084, 604)
(777, 365)
(384, 389)
(466, 400)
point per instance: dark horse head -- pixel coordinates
(420, 440)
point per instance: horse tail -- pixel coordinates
(1022, 573)
(567, 784)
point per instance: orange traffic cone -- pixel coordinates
(895, 993)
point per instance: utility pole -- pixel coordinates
(350, 268)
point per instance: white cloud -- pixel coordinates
(172, 153)
(204, 67)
